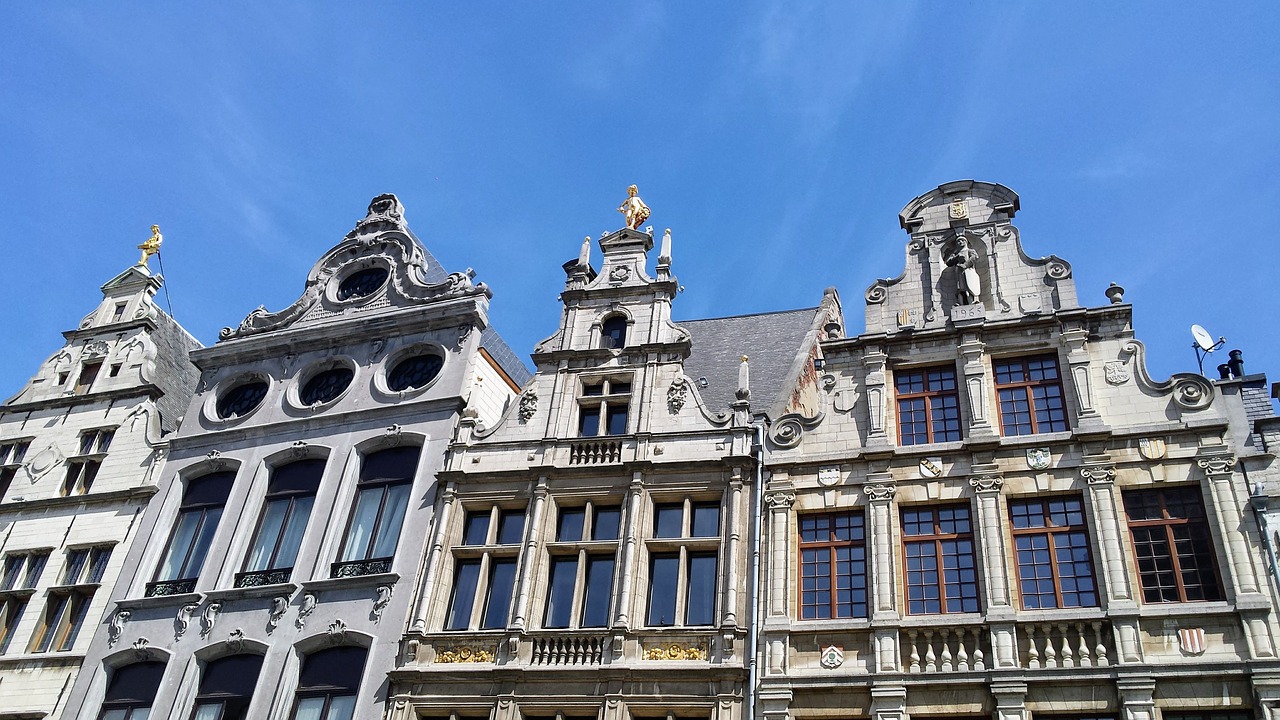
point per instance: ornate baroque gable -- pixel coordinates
(377, 265)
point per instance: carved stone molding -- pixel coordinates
(987, 483)
(183, 619)
(879, 492)
(209, 617)
(676, 394)
(299, 450)
(116, 627)
(382, 596)
(235, 641)
(465, 654)
(1096, 474)
(308, 606)
(337, 632)
(780, 499)
(528, 404)
(278, 607)
(216, 460)
(1217, 464)
(142, 650)
(676, 651)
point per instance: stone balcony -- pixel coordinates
(568, 649)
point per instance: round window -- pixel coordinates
(241, 399)
(414, 372)
(326, 385)
(363, 283)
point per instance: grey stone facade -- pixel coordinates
(80, 448)
(306, 465)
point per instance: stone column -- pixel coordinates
(889, 702)
(432, 567)
(1117, 586)
(883, 579)
(1075, 339)
(987, 487)
(733, 576)
(1137, 700)
(973, 352)
(630, 526)
(1011, 700)
(1229, 512)
(779, 503)
(532, 538)
(873, 358)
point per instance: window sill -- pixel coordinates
(256, 591)
(1037, 439)
(64, 657)
(155, 601)
(1174, 609)
(18, 593)
(1056, 614)
(351, 582)
(941, 619)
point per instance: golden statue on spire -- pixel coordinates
(151, 246)
(634, 209)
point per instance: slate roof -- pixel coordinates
(770, 341)
(174, 373)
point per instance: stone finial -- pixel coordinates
(664, 251)
(744, 381)
(1115, 294)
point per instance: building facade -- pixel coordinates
(999, 513)
(591, 556)
(80, 446)
(273, 572)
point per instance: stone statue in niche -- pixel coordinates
(960, 255)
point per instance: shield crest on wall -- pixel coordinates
(1191, 640)
(1039, 458)
(832, 656)
(1151, 448)
(931, 467)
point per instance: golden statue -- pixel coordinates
(634, 209)
(151, 246)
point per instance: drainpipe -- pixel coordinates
(1258, 501)
(753, 635)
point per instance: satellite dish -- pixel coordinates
(1203, 339)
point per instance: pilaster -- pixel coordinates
(974, 367)
(987, 486)
(1137, 701)
(520, 614)
(874, 358)
(1011, 700)
(779, 502)
(1075, 339)
(880, 493)
(622, 616)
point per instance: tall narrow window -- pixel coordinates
(12, 454)
(82, 468)
(193, 532)
(928, 405)
(329, 684)
(1173, 546)
(613, 333)
(602, 407)
(118, 314)
(290, 494)
(941, 571)
(69, 602)
(1030, 391)
(580, 582)
(833, 566)
(1055, 569)
(131, 690)
(226, 688)
(22, 570)
(386, 479)
(11, 608)
(485, 568)
(683, 563)
(88, 373)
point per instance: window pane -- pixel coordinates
(183, 537)
(502, 575)
(117, 714)
(664, 573)
(309, 708)
(706, 520)
(76, 560)
(273, 516)
(341, 707)
(35, 566)
(208, 711)
(668, 520)
(12, 571)
(589, 421)
(701, 599)
(98, 564)
(362, 520)
(476, 531)
(617, 420)
(606, 524)
(79, 609)
(384, 545)
(203, 541)
(465, 579)
(599, 589)
(510, 527)
(569, 529)
(291, 540)
(564, 573)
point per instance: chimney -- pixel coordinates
(1224, 372)
(1236, 363)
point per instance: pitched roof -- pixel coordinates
(771, 341)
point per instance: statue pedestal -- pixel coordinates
(968, 315)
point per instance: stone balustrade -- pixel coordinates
(568, 650)
(1065, 644)
(595, 452)
(945, 649)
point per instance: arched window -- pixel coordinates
(131, 690)
(202, 505)
(386, 479)
(290, 494)
(227, 687)
(329, 683)
(613, 333)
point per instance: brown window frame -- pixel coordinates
(831, 545)
(1028, 392)
(1054, 535)
(938, 538)
(1200, 531)
(62, 620)
(930, 397)
(11, 609)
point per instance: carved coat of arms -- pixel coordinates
(1039, 458)
(832, 656)
(1191, 641)
(1151, 448)
(931, 467)
(1116, 372)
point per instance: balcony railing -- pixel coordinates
(568, 650)
(957, 649)
(258, 578)
(595, 452)
(161, 588)
(356, 568)
(1066, 644)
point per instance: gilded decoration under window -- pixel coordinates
(465, 654)
(676, 651)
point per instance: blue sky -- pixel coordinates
(777, 140)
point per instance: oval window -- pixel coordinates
(414, 372)
(326, 385)
(241, 399)
(363, 283)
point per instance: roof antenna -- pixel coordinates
(1204, 344)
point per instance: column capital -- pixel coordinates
(879, 492)
(1096, 474)
(987, 483)
(779, 499)
(1217, 464)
